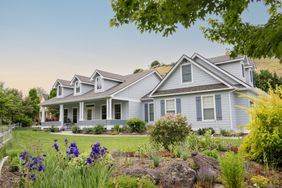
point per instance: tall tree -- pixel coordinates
(266, 80)
(53, 110)
(223, 17)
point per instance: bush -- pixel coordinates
(116, 128)
(226, 133)
(260, 181)
(156, 160)
(232, 169)
(211, 153)
(204, 130)
(88, 130)
(170, 130)
(264, 142)
(99, 129)
(54, 129)
(136, 125)
(125, 129)
(75, 129)
(131, 182)
(25, 121)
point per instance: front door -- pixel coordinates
(74, 115)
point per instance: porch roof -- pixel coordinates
(91, 95)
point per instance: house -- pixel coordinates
(103, 98)
(205, 90)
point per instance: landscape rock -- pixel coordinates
(143, 172)
(206, 162)
(178, 174)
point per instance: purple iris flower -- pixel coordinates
(89, 161)
(33, 177)
(55, 145)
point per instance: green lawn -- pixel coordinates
(24, 138)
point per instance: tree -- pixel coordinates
(155, 64)
(53, 110)
(31, 104)
(165, 16)
(137, 70)
(266, 80)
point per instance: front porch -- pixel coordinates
(107, 112)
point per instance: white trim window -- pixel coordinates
(243, 70)
(98, 83)
(170, 106)
(77, 87)
(208, 107)
(90, 110)
(59, 90)
(117, 111)
(186, 73)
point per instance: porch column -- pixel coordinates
(61, 118)
(109, 108)
(43, 114)
(81, 111)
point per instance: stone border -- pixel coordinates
(2, 164)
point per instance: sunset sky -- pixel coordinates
(41, 41)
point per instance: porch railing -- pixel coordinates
(102, 122)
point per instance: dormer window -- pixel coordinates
(59, 91)
(77, 87)
(98, 83)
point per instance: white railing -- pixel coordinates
(5, 135)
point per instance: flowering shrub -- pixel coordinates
(170, 130)
(264, 142)
(260, 181)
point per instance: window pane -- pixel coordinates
(170, 105)
(65, 115)
(186, 73)
(151, 112)
(117, 111)
(89, 114)
(104, 112)
(74, 115)
(209, 114)
(208, 102)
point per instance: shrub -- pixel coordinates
(211, 153)
(156, 160)
(232, 169)
(193, 142)
(204, 130)
(117, 128)
(99, 129)
(136, 125)
(264, 142)
(88, 130)
(75, 129)
(260, 181)
(125, 129)
(130, 182)
(170, 130)
(227, 133)
(54, 129)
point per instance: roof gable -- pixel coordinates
(82, 79)
(63, 83)
(185, 59)
(108, 76)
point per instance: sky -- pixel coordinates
(41, 41)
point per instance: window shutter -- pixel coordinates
(218, 107)
(146, 112)
(198, 108)
(162, 107)
(178, 106)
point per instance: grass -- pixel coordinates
(24, 138)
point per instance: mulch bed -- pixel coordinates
(8, 179)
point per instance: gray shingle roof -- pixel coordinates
(65, 83)
(91, 95)
(84, 79)
(111, 75)
(191, 89)
(223, 58)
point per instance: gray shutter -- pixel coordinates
(178, 106)
(198, 108)
(162, 107)
(146, 112)
(218, 107)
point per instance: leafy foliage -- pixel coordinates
(265, 80)
(137, 70)
(155, 64)
(204, 130)
(99, 129)
(75, 129)
(211, 153)
(136, 124)
(232, 169)
(165, 16)
(264, 142)
(170, 130)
